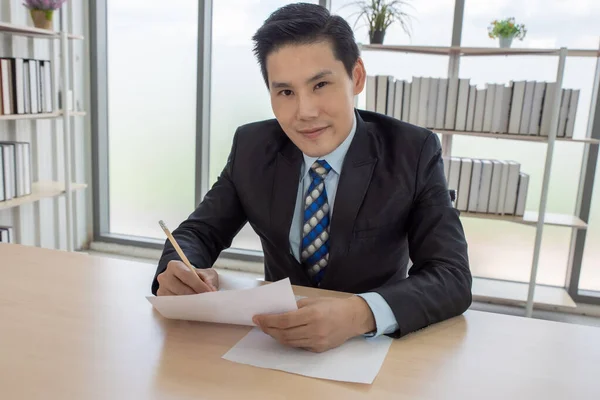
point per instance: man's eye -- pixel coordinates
(286, 92)
(321, 84)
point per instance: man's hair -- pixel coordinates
(303, 23)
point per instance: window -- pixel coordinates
(151, 51)
(238, 91)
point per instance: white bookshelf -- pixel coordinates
(525, 293)
(63, 62)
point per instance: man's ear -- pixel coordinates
(359, 76)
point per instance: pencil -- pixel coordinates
(179, 251)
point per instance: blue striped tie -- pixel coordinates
(315, 230)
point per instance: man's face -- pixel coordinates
(312, 95)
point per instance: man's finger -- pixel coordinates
(208, 279)
(285, 320)
(307, 301)
(289, 336)
(175, 286)
(190, 279)
(303, 332)
(307, 344)
(164, 292)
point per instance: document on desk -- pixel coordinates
(358, 360)
(236, 303)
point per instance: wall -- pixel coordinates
(43, 223)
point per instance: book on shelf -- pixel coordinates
(440, 111)
(512, 187)
(460, 119)
(398, 99)
(6, 234)
(502, 188)
(536, 108)
(451, 100)
(546, 114)
(453, 177)
(25, 86)
(502, 105)
(527, 109)
(423, 106)
(414, 100)
(564, 109)
(573, 103)
(471, 108)
(487, 186)
(517, 108)
(522, 193)
(406, 98)
(475, 184)
(464, 184)
(494, 196)
(15, 170)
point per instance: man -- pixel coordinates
(340, 198)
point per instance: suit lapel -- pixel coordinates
(352, 186)
(284, 192)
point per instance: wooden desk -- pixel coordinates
(74, 326)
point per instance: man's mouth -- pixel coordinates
(312, 133)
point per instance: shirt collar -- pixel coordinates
(336, 158)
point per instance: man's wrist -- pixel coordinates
(363, 320)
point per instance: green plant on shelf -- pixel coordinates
(506, 30)
(42, 11)
(380, 14)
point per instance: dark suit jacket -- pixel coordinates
(392, 203)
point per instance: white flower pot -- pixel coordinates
(505, 42)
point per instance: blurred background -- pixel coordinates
(152, 52)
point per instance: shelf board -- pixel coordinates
(510, 136)
(515, 293)
(477, 51)
(30, 31)
(40, 190)
(75, 113)
(15, 117)
(531, 218)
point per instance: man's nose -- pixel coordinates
(307, 107)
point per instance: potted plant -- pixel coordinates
(41, 11)
(380, 14)
(506, 30)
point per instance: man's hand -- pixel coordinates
(320, 323)
(177, 279)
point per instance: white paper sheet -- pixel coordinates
(229, 282)
(229, 305)
(358, 360)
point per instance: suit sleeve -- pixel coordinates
(439, 282)
(211, 227)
